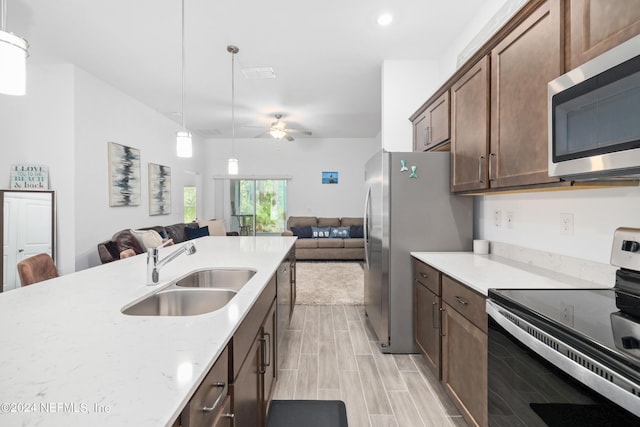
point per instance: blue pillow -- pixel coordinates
(303, 232)
(320, 232)
(356, 231)
(194, 233)
(339, 232)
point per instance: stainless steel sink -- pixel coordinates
(221, 278)
(181, 302)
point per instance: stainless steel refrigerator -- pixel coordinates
(408, 207)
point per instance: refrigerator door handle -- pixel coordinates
(367, 208)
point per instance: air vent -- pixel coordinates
(258, 73)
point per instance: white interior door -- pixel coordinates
(27, 226)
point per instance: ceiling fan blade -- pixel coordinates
(302, 132)
(289, 138)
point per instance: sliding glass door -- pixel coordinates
(258, 206)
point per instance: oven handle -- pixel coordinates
(619, 394)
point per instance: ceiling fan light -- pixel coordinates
(184, 146)
(13, 56)
(232, 166)
(277, 133)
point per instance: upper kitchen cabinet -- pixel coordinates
(522, 64)
(595, 26)
(470, 129)
(431, 126)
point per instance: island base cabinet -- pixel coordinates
(247, 390)
(464, 365)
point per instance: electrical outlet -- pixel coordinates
(510, 218)
(497, 218)
(566, 224)
(567, 313)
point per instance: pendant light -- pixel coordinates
(184, 146)
(13, 57)
(232, 165)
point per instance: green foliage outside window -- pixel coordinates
(189, 204)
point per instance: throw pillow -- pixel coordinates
(320, 232)
(194, 233)
(339, 232)
(147, 238)
(303, 232)
(216, 227)
(356, 231)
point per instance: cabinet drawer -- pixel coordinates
(211, 394)
(465, 301)
(250, 326)
(428, 276)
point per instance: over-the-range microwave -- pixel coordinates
(594, 117)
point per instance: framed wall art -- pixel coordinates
(124, 175)
(329, 177)
(159, 189)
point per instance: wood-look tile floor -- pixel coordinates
(329, 352)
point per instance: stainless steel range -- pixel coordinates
(568, 357)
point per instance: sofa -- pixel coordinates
(132, 241)
(326, 238)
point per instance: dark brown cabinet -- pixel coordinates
(431, 127)
(522, 64)
(254, 361)
(426, 309)
(210, 404)
(470, 129)
(450, 326)
(596, 26)
(464, 350)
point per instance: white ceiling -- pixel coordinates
(327, 55)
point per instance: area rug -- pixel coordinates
(329, 283)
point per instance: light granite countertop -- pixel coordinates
(482, 272)
(69, 357)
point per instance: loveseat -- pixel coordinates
(326, 238)
(125, 241)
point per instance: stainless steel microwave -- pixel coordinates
(594, 117)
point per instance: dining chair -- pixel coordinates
(36, 269)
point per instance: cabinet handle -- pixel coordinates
(426, 136)
(480, 162)
(491, 156)
(232, 417)
(218, 399)
(424, 275)
(268, 335)
(434, 319)
(461, 301)
(443, 333)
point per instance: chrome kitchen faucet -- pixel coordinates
(154, 264)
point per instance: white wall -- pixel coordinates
(303, 160)
(406, 85)
(104, 114)
(596, 215)
(38, 129)
(64, 122)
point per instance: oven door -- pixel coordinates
(531, 383)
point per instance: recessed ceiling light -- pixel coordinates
(385, 19)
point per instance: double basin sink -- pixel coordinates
(199, 292)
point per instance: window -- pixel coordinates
(258, 206)
(190, 204)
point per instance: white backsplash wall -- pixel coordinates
(536, 220)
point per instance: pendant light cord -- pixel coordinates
(233, 107)
(3, 15)
(184, 128)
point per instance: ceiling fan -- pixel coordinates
(279, 130)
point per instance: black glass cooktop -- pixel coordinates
(589, 318)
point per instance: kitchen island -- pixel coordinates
(71, 358)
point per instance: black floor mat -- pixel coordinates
(307, 413)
